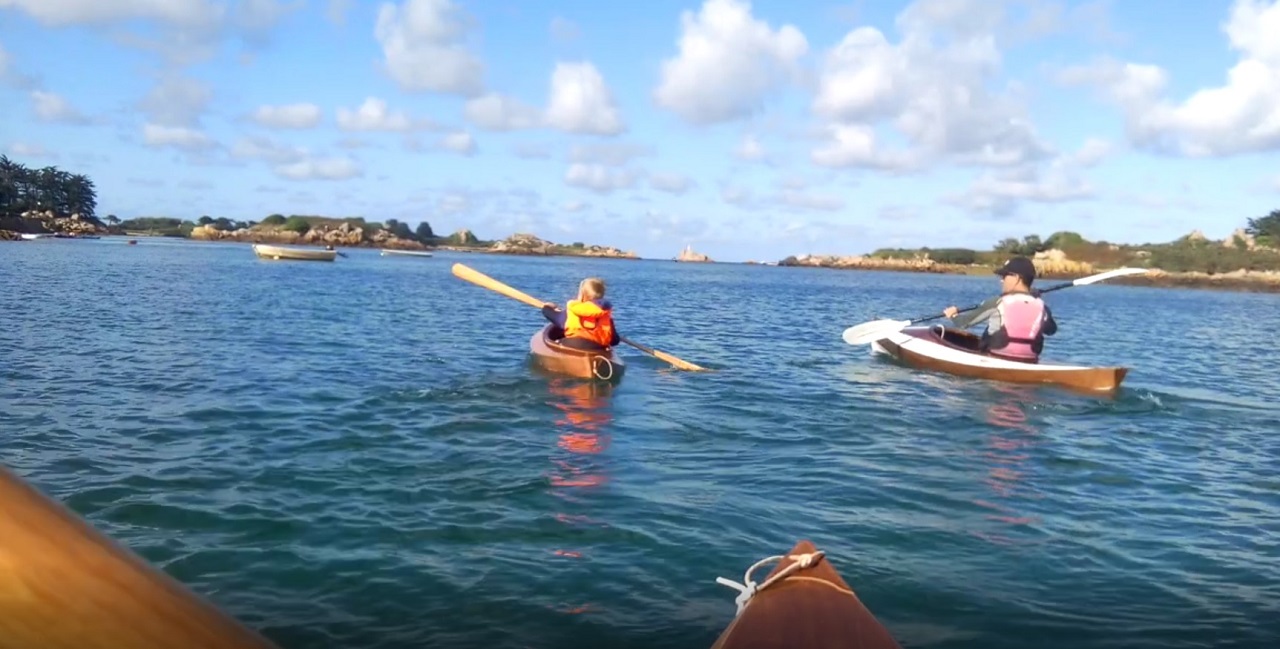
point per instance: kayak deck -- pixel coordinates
(554, 357)
(955, 351)
(809, 607)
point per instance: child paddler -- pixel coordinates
(587, 322)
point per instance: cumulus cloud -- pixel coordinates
(501, 113)
(28, 150)
(460, 142)
(728, 63)
(177, 137)
(62, 13)
(614, 154)
(52, 107)
(749, 149)
(266, 149)
(422, 46)
(599, 178)
(374, 115)
(670, 182)
(177, 101)
(932, 88)
(564, 30)
(301, 115)
(999, 192)
(1240, 116)
(184, 31)
(328, 168)
(579, 101)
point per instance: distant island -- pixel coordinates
(54, 202)
(1248, 260)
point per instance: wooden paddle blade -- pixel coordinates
(480, 279)
(869, 332)
(678, 362)
(663, 356)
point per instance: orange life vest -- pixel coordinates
(588, 320)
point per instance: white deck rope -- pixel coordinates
(748, 588)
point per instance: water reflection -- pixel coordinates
(1006, 454)
(583, 437)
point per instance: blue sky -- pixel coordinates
(748, 130)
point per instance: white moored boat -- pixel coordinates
(955, 351)
(389, 252)
(301, 254)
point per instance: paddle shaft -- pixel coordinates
(65, 585)
(981, 304)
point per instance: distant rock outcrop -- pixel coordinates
(341, 234)
(690, 256)
(919, 264)
(48, 223)
(528, 244)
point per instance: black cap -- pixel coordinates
(1020, 266)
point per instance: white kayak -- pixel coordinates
(955, 351)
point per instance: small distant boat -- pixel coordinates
(299, 254)
(33, 237)
(388, 252)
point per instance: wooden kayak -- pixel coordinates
(802, 604)
(955, 351)
(63, 584)
(550, 355)
(300, 254)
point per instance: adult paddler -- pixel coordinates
(1017, 320)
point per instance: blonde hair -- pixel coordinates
(591, 288)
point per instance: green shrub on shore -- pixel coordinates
(297, 224)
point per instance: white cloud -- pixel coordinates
(177, 101)
(460, 142)
(581, 102)
(614, 154)
(51, 107)
(454, 203)
(598, 178)
(932, 87)
(288, 116)
(373, 115)
(178, 137)
(320, 169)
(30, 150)
(670, 182)
(802, 200)
(728, 63)
(1093, 151)
(573, 206)
(266, 149)
(1241, 116)
(564, 30)
(422, 44)
(998, 192)
(60, 13)
(500, 113)
(749, 149)
(856, 145)
(336, 11)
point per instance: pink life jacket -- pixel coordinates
(1021, 316)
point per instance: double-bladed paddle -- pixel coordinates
(869, 332)
(480, 279)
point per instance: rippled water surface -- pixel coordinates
(357, 454)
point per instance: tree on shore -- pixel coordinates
(50, 189)
(1266, 229)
